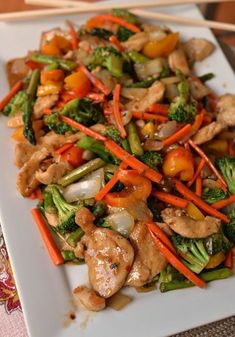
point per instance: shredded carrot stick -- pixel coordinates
(198, 121)
(116, 111)
(229, 260)
(11, 94)
(225, 202)
(231, 150)
(82, 128)
(198, 171)
(97, 83)
(161, 109)
(198, 186)
(178, 135)
(117, 43)
(99, 19)
(47, 237)
(105, 190)
(63, 148)
(146, 116)
(188, 194)
(73, 34)
(171, 199)
(203, 155)
(176, 263)
(39, 194)
(161, 235)
(47, 111)
(33, 196)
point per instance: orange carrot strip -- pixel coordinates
(198, 121)
(188, 194)
(47, 111)
(199, 186)
(83, 128)
(198, 171)
(73, 34)
(161, 235)
(102, 193)
(178, 135)
(171, 199)
(145, 115)
(222, 203)
(39, 194)
(116, 111)
(176, 263)
(63, 148)
(229, 260)
(11, 94)
(108, 17)
(117, 43)
(97, 83)
(203, 155)
(47, 237)
(161, 109)
(231, 150)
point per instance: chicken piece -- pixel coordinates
(226, 109)
(177, 60)
(53, 173)
(148, 260)
(15, 121)
(85, 219)
(208, 132)
(153, 94)
(88, 299)
(185, 226)
(79, 250)
(53, 141)
(16, 70)
(198, 49)
(197, 88)
(136, 41)
(26, 180)
(23, 152)
(43, 103)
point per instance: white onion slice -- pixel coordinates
(167, 129)
(122, 222)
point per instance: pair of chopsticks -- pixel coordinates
(65, 7)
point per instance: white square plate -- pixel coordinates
(45, 291)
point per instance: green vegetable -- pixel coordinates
(83, 111)
(211, 195)
(126, 145)
(208, 276)
(217, 243)
(66, 212)
(169, 274)
(123, 34)
(183, 109)
(49, 205)
(109, 58)
(226, 164)
(108, 174)
(143, 84)
(15, 105)
(69, 256)
(229, 231)
(126, 15)
(102, 33)
(113, 133)
(206, 77)
(134, 140)
(152, 205)
(64, 64)
(137, 57)
(28, 106)
(54, 123)
(193, 252)
(93, 145)
(99, 209)
(231, 214)
(81, 171)
(152, 159)
(165, 72)
(74, 237)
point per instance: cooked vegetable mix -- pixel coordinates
(130, 154)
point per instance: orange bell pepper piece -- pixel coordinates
(52, 76)
(56, 46)
(162, 47)
(73, 156)
(179, 162)
(79, 83)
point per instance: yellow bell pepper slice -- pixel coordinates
(148, 130)
(215, 260)
(162, 47)
(194, 212)
(49, 89)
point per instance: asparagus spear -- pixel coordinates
(53, 60)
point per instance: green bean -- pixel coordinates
(126, 145)
(33, 83)
(137, 57)
(74, 237)
(134, 140)
(51, 66)
(49, 60)
(69, 256)
(81, 171)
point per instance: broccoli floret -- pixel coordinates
(211, 195)
(113, 133)
(217, 243)
(193, 252)
(54, 123)
(152, 205)
(231, 214)
(109, 58)
(99, 210)
(229, 231)
(15, 104)
(183, 109)
(66, 212)
(83, 111)
(152, 159)
(102, 33)
(226, 164)
(48, 202)
(88, 143)
(123, 13)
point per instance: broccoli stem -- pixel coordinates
(134, 140)
(74, 237)
(48, 60)
(81, 171)
(48, 203)
(137, 57)
(208, 276)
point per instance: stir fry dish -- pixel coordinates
(129, 153)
